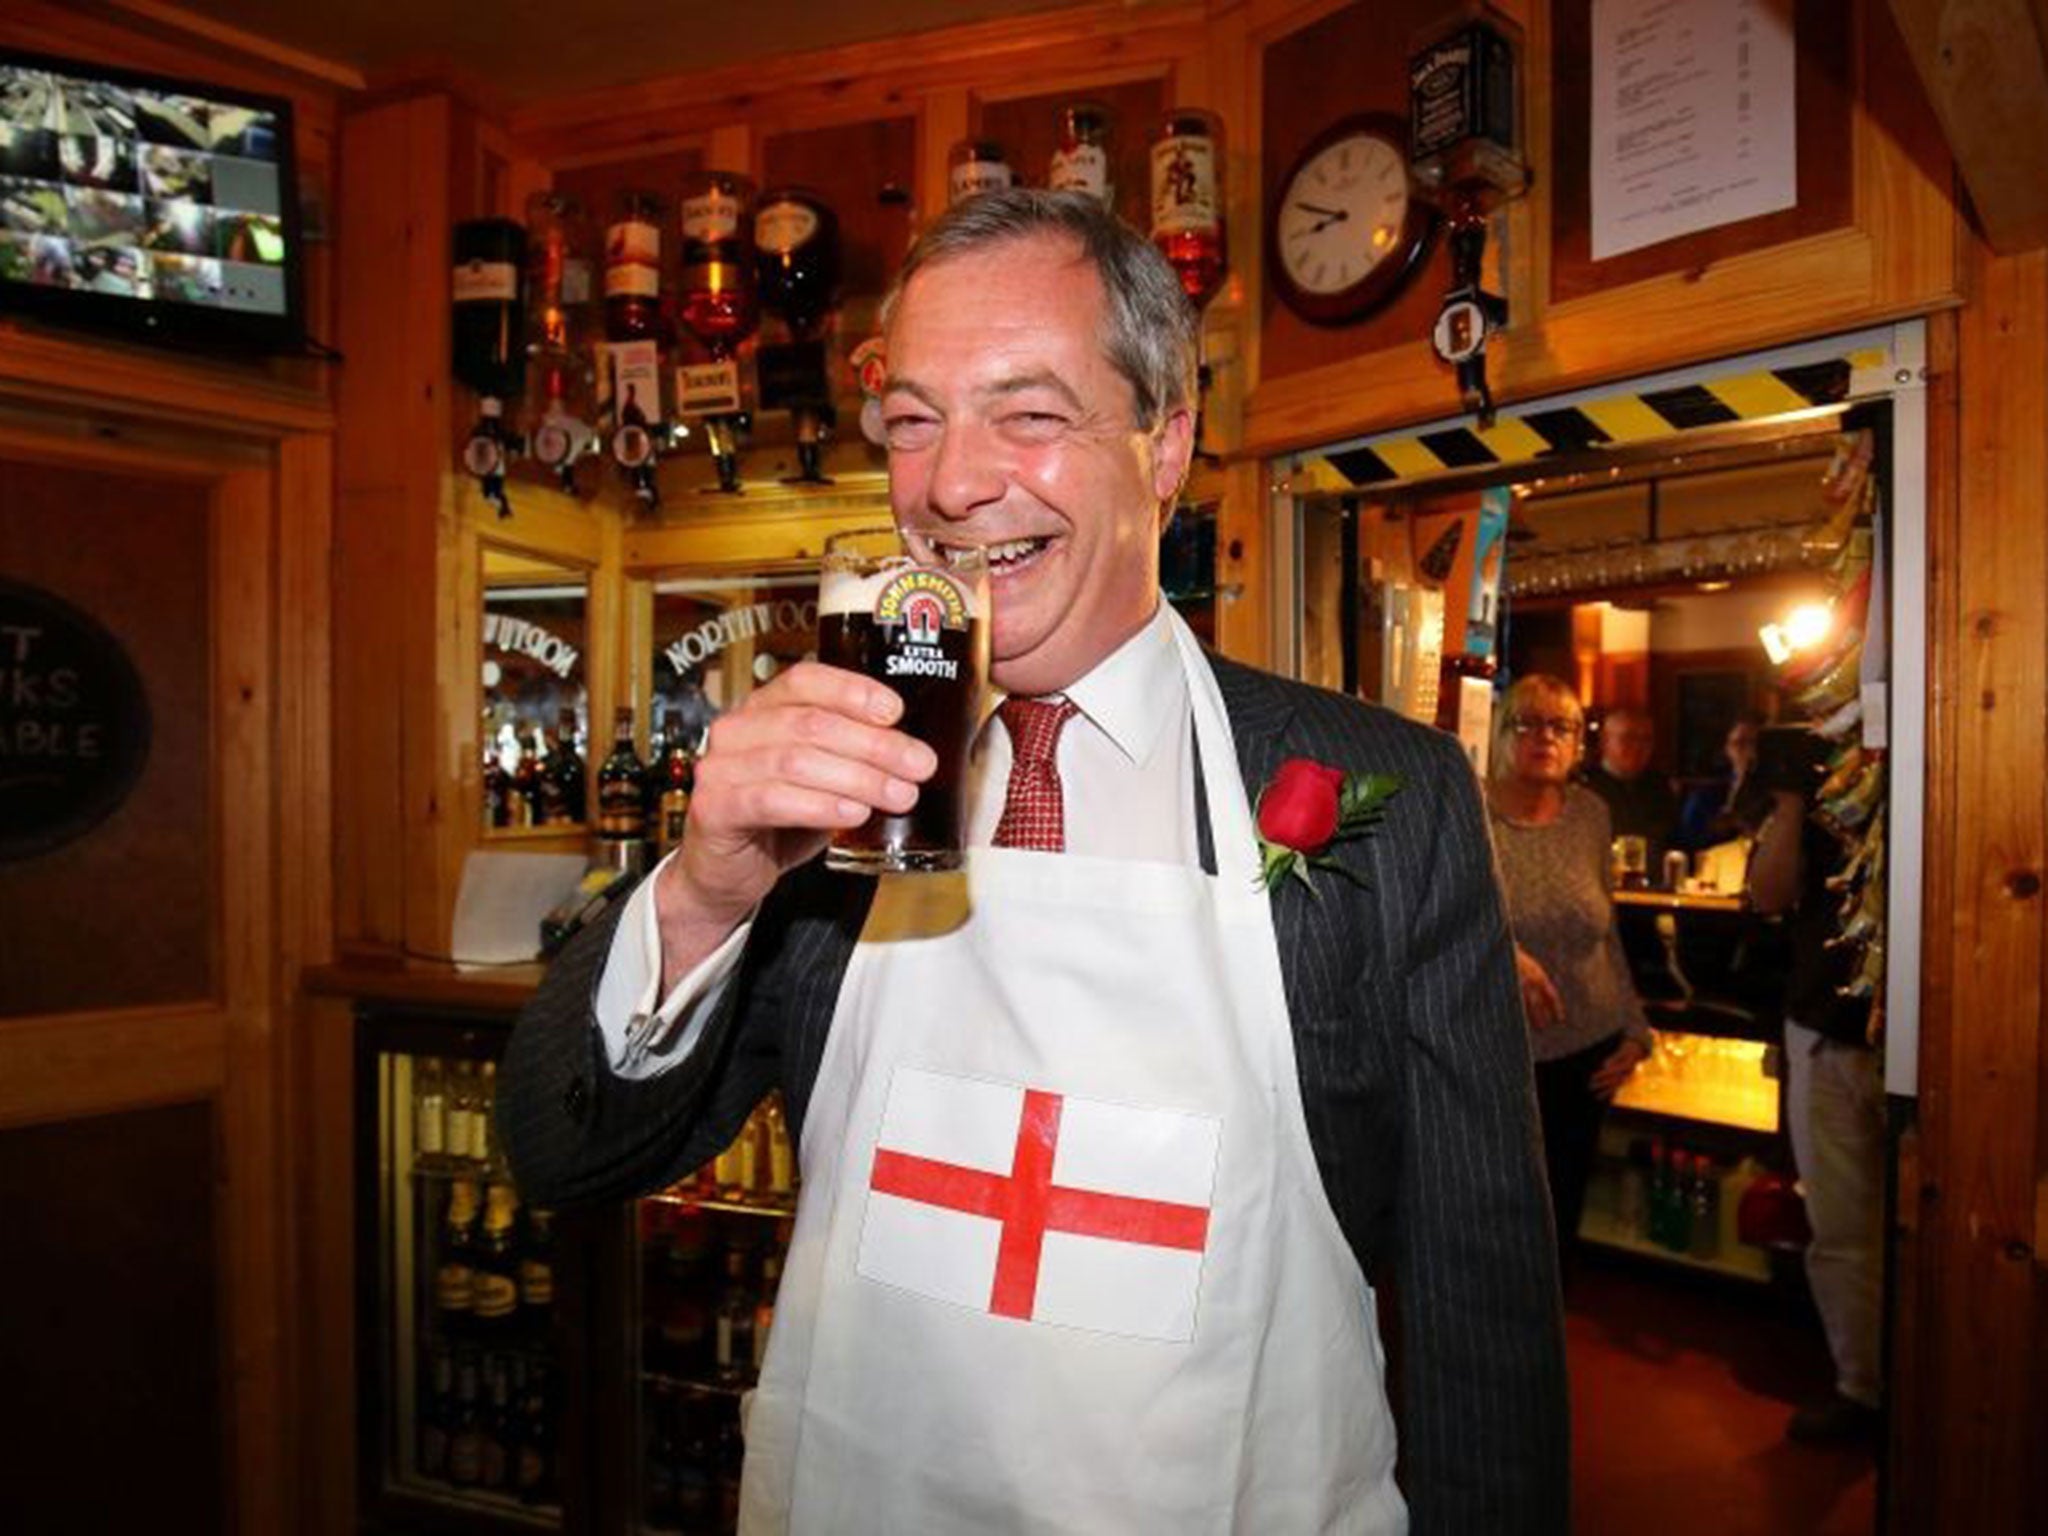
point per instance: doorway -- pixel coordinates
(1689, 555)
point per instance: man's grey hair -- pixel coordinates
(1153, 329)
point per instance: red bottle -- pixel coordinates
(1187, 200)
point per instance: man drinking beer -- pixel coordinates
(1104, 1144)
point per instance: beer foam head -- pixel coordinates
(855, 591)
(852, 591)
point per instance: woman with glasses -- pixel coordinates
(1586, 1023)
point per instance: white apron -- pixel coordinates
(1064, 1262)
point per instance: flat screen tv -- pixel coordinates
(160, 208)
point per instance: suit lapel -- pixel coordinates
(1259, 716)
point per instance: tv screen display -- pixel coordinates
(160, 207)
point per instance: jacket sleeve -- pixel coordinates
(1486, 1434)
(575, 1132)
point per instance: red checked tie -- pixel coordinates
(1033, 816)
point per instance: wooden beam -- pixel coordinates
(1986, 71)
(1970, 1347)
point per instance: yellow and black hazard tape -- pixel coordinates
(1520, 437)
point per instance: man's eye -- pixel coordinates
(1034, 426)
(906, 434)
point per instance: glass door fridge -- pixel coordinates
(469, 1360)
(705, 1262)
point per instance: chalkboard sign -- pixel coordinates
(74, 722)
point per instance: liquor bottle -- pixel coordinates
(622, 797)
(753, 1145)
(764, 1308)
(781, 1155)
(537, 1273)
(565, 768)
(718, 307)
(634, 338)
(560, 300)
(430, 1113)
(658, 1511)
(733, 1324)
(533, 1475)
(685, 1319)
(729, 1453)
(695, 1482)
(976, 165)
(466, 1443)
(488, 331)
(1632, 1204)
(1678, 1208)
(494, 1452)
(1187, 200)
(718, 292)
(1080, 163)
(1657, 1214)
(525, 785)
(550, 809)
(437, 1409)
(483, 1130)
(1703, 1201)
(454, 1283)
(796, 258)
(678, 779)
(497, 785)
(796, 243)
(726, 1169)
(494, 1270)
(462, 1110)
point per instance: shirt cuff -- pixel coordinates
(645, 1033)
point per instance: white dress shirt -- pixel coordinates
(1126, 763)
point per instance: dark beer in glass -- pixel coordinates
(920, 626)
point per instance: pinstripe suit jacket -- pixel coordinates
(1414, 1069)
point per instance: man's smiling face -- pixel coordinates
(1008, 426)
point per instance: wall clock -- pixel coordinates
(1347, 229)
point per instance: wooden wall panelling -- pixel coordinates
(325, 1233)
(392, 201)
(1352, 60)
(865, 80)
(1897, 259)
(1976, 1336)
(253, 1232)
(305, 911)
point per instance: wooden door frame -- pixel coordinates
(267, 496)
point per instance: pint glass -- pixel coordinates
(920, 625)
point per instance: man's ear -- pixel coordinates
(1173, 452)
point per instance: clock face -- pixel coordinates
(1346, 230)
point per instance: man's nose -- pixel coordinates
(967, 471)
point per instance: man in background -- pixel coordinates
(1834, 1096)
(1640, 801)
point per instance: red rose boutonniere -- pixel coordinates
(1307, 808)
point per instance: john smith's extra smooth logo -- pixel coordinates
(915, 609)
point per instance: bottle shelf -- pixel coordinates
(695, 1386)
(1743, 1262)
(779, 1209)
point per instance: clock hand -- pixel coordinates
(1326, 216)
